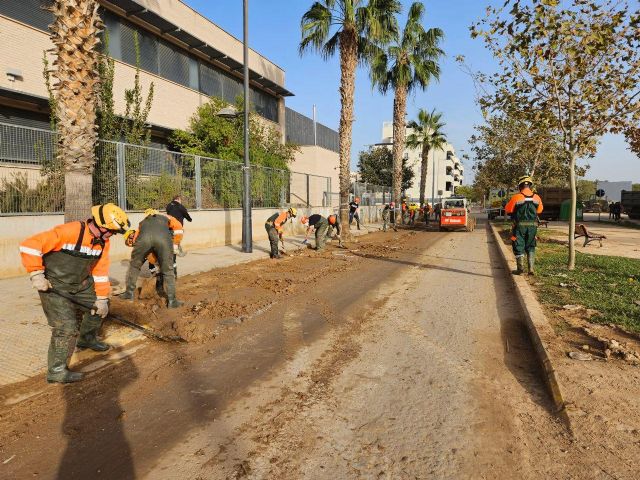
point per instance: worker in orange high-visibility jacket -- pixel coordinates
(275, 229)
(73, 259)
(157, 240)
(524, 208)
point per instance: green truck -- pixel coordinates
(631, 203)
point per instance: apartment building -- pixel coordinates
(185, 55)
(448, 169)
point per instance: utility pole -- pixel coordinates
(247, 238)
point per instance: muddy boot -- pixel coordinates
(531, 258)
(57, 360)
(160, 286)
(173, 302)
(520, 266)
(127, 294)
(88, 334)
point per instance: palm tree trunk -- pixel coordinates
(75, 36)
(424, 167)
(348, 64)
(399, 133)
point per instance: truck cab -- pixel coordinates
(455, 215)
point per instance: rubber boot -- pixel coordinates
(132, 278)
(88, 334)
(531, 258)
(57, 359)
(520, 266)
(173, 302)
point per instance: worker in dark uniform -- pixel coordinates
(334, 225)
(524, 208)
(318, 223)
(178, 211)
(275, 229)
(73, 259)
(154, 236)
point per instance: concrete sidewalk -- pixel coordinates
(23, 326)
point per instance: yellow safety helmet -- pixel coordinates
(129, 237)
(111, 217)
(150, 211)
(525, 179)
(292, 211)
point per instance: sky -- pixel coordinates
(274, 31)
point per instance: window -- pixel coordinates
(173, 64)
(30, 12)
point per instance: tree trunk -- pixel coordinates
(424, 169)
(572, 218)
(399, 133)
(348, 64)
(74, 34)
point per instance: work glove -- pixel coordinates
(39, 281)
(176, 249)
(101, 307)
(181, 252)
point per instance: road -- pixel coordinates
(402, 357)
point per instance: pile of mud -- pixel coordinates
(225, 297)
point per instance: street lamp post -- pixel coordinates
(247, 240)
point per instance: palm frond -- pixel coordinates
(315, 26)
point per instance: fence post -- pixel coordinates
(198, 173)
(308, 203)
(122, 176)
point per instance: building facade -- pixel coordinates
(186, 56)
(448, 169)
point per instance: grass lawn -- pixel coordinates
(610, 285)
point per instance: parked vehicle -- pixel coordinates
(552, 199)
(631, 203)
(455, 215)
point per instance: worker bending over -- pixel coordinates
(275, 229)
(524, 208)
(69, 266)
(321, 226)
(334, 224)
(159, 235)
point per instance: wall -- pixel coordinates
(209, 228)
(22, 47)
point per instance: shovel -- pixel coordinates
(147, 332)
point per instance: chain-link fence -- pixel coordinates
(136, 177)
(370, 194)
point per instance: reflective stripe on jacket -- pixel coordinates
(56, 251)
(524, 206)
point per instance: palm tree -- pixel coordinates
(351, 27)
(74, 34)
(408, 63)
(427, 135)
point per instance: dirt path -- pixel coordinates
(377, 362)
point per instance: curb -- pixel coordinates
(539, 330)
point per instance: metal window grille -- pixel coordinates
(31, 12)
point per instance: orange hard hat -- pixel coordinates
(332, 219)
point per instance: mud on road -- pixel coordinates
(120, 419)
(401, 357)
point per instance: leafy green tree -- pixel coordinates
(376, 167)
(507, 146)
(577, 62)
(352, 28)
(409, 63)
(210, 135)
(470, 192)
(427, 135)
